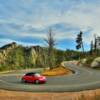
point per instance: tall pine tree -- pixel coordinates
(79, 41)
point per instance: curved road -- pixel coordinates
(83, 79)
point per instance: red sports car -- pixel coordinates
(33, 78)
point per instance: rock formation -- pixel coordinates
(13, 56)
(96, 63)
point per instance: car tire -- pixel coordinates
(37, 82)
(23, 81)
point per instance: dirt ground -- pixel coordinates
(84, 95)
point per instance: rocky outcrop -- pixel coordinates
(5, 50)
(82, 62)
(96, 63)
(90, 62)
(13, 55)
(33, 55)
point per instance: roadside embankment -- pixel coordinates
(84, 95)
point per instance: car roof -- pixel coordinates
(30, 73)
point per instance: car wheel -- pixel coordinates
(37, 82)
(23, 81)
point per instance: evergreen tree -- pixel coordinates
(91, 47)
(95, 43)
(79, 41)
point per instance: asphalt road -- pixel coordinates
(83, 79)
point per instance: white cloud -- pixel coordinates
(83, 16)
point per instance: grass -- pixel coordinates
(60, 70)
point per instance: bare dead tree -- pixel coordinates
(51, 43)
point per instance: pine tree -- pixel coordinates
(95, 44)
(79, 41)
(91, 47)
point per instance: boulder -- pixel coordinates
(83, 61)
(96, 63)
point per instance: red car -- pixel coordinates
(33, 78)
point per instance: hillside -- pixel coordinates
(13, 56)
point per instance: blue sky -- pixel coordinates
(27, 21)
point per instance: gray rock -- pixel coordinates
(83, 61)
(96, 63)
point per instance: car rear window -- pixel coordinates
(37, 75)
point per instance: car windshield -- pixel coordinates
(37, 75)
(29, 74)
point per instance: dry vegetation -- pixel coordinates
(56, 71)
(85, 95)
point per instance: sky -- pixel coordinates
(27, 21)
